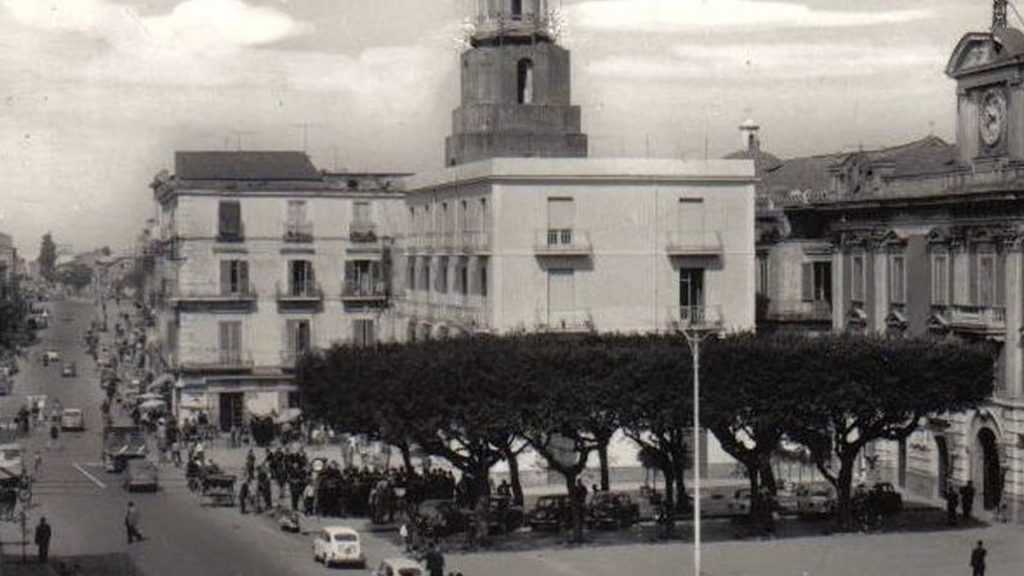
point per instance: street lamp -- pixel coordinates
(697, 327)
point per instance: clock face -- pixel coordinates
(993, 117)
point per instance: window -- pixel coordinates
(301, 281)
(897, 280)
(561, 294)
(525, 81)
(940, 280)
(229, 217)
(463, 287)
(561, 216)
(691, 288)
(231, 343)
(465, 224)
(986, 280)
(410, 276)
(300, 339)
(690, 217)
(483, 214)
(857, 281)
(517, 9)
(363, 278)
(294, 400)
(483, 277)
(425, 278)
(442, 275)
(363, 333)
(296, 212)
(816, 282)
(362, 212)
(762, 274)
(234, 277)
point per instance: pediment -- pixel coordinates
(978, 50)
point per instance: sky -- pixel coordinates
(98, 94)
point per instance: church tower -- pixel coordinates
(516, 89)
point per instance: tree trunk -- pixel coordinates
(406, 457)
(680, 477)
(670, 504)
(513, 474)
(844, 481)
(602, 456)
(575, 507)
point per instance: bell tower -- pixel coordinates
(516, 89)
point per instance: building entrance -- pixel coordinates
(988, 474)
(230, 410)
(942, 474)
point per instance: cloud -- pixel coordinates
(193, 26)
(689, 15)
(771, 61)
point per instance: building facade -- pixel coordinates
(923, 239)
(260, 259)
(8, 263)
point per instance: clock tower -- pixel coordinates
(989, 70)
(516, 88)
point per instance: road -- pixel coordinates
(86, 507)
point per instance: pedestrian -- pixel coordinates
(435, 561)
(952, 501)
(967, 499)
(43, 535)
(403, 532)
(250, 464)
(131, 523)
(243, 495)
(978, 559)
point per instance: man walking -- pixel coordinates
(131, 523)
(952, 501)
(43, 534)
(967, 499)
(978, 559)
(435, 561)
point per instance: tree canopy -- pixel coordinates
(47, 256)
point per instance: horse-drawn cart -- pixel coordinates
(219, 490)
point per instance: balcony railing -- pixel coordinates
(216, 361)
(362, 232)
(695, 318)
(476, 241)
(243, 293)
(307, 292)
(988, 320)
(472, 317)
(562, 242)
(568, 321)
(290, 358)
(298, 232)
(701, 243)
(232, 236)
(363, 290)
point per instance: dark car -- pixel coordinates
(886, 499)
(612, 510)
(440, 518)
(142, 476)
(505, 516)
(550, 513)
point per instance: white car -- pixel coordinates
(398, 567)
(72, 419)
(338, 545)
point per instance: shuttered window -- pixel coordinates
(561, 218)
(940, 280)
(234, 277)
(231, 342)
(229, 220)
(364, 333)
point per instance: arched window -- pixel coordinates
(525, 72)
(517, 9)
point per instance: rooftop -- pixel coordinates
(245, 166)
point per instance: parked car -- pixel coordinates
(399, 567)
(815, 501)
(888, 501)
(142, 475)
(550, 513)
(338, 545)
(51, 356)
(612, 510)
(741, 502)
(70, 370)
(505, 516)
(72, 419)
(440, 518)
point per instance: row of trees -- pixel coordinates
(480, 400)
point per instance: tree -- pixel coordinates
(75, 276)
(47, 257)
(871, 388)
(15, 310)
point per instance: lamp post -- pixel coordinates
(696, 328)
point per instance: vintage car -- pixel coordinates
(886, 499)
(399, 567)
(551, 512)
(70, 370)
(612, 510)
(335, 545)
(741, 502)
(440, 518)
(72, 419)
(141, 475)
(505, 516)
(815, 501)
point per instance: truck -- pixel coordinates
(122, 443)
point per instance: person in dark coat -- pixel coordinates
(978, 559)
(952, 501)
(43, 535)
(967, 499)
(435, 561)
(243, 495)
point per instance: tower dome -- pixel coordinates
(511, 21)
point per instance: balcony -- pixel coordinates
(476, 241)
(471, 317)
(217, 361)
(362, 232)
(229, 236)
(698, 318)
(364, 290)
(298, 232)
(979, 320)
(229, 296)
(307, 293)
(290, 358)
(562, 242)
(701, 243)
(568, 321)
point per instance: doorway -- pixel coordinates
(230, 410)
(987, 468)
(942, 474)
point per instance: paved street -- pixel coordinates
(86, 507)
